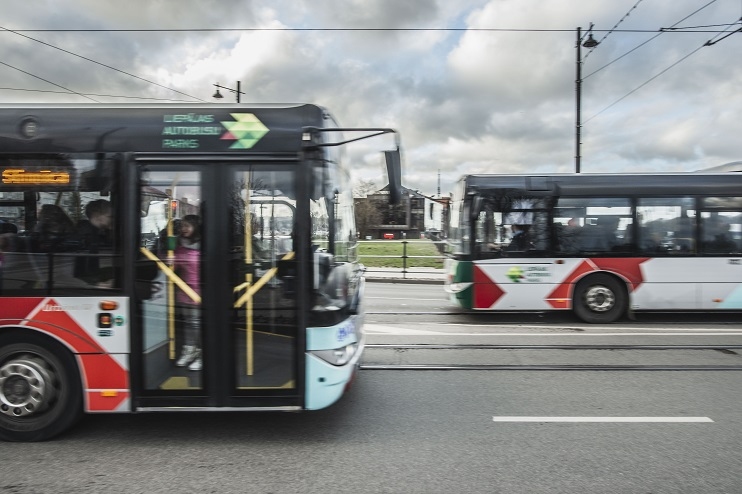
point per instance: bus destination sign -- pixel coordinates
(185, 131)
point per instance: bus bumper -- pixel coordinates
(330, 372)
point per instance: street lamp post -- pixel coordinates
(237, 91)
(590, 42)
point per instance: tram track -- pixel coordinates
(654, 318)
(400, 350)
(471, 346)
(704, 314)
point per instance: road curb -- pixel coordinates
(402, 281)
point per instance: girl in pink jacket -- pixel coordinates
(188, 268)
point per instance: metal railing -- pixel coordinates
(408, 264)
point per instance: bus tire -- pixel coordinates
(40, 389)
(599, 298)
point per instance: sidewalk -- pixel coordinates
(414, 275)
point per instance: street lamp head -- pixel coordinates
(217, 95)
(590, 42)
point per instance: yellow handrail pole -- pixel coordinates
(248, 279)
(170, 287)
(171, 276)
(252, 290)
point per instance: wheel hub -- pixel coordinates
(26, 387)
(600, 299)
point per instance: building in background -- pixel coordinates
(416, 216)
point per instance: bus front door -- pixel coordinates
(219, 325)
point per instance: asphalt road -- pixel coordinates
(458, 431)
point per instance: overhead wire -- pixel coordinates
(662, 31)
(707, 43)
(95, 94)
(613, 28)
(20, 32)
(335, 29)
(99, 63)
(69, 91)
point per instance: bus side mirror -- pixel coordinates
(394, 172)
(476, 207)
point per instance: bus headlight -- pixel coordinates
(338, 356)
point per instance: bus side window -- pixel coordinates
(717, 233)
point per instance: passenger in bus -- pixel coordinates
(187, 266)
(94, 235)
(520, 240)
(600, 237)
(609, 228)
(40, 260)
(7, 227)
(54, 231)
(720, 241)
(568, 237)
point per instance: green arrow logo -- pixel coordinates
(246, 130)
(515, 274)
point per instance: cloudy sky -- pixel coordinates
(473, 86)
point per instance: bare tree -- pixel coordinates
(363, 187)
(367, 215)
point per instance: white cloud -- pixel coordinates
(474, 101)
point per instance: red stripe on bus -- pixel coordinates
(561, 296)
(104, 372)
(19, 308)
(57, 322)
(486, 291)
(628, 268)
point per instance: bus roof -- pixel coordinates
(589, 184)
(65, 128)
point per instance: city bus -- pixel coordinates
(600, 245)
(161, 258)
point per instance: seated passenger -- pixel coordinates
(95, 237)
(6, 227)
(520, 240)
(54, 232)
(568, 237)
(721, 244)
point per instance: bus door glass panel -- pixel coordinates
(593, 226)
(263, 270)
(169, 279)
(57, 226)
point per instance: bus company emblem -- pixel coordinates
(515, 274)
(345, 332)
(246, 130)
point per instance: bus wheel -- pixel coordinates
(599, 298)
(40, 391)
